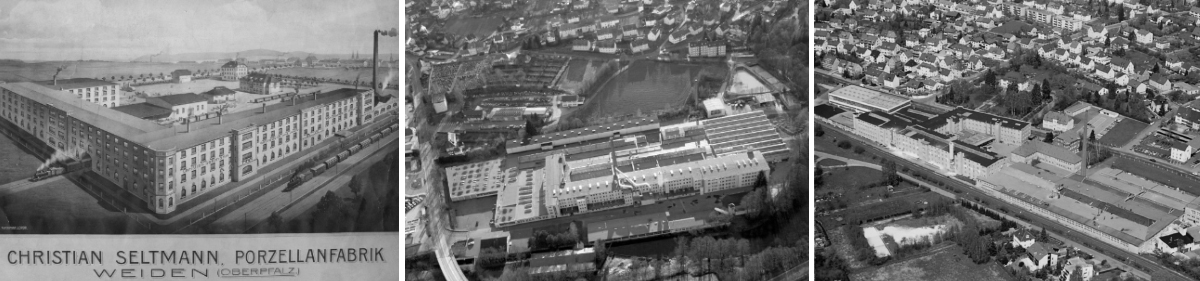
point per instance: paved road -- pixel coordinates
(1036, 220)
(849, 162)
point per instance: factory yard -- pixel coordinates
(196, 86)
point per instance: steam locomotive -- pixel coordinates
(59, 168)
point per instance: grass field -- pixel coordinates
(945, 264)
(481, 27)
(45, 70)
(75, 211)
(578, 71)
(1123, 132)
(828, 143)
(830, 162)
(852, 177)
(18, 164)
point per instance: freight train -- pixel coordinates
(321, 167)
(59, 168)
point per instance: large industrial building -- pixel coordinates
(611, 181)
(91, 90)
(953, 141)
(859, 99)
(167, 165)
(744, 132)
(626, 163)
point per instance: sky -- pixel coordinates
(125, 29)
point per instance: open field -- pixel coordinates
(578, 71)
(73, 203)
(945, 264)
(362, 74)
(852, 177)
(480, 27)
(18, 164)
(93, 69)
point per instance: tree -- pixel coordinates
(355, 185)
(1092, 136)
(1049, 138)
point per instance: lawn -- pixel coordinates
(828, 143)
(18, 164)
(830, 162)
(1123, 132)
(852, 177)
(946, 264)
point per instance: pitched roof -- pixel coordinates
(1049, 150)
(144, 111)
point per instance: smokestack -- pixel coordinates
(189, 125)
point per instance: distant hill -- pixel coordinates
(252, 55)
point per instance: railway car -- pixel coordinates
(320, 168)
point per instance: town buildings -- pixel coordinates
(233, 71)
(259, 83)
(181, 76)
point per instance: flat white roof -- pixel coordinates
(878, 100)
